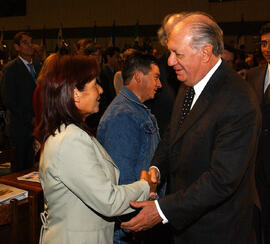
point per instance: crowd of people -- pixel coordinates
(137, 147)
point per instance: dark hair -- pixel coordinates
(265, 29)
(82, 43)
(91, 48)
(18, 37)
(137, 61)
(229, 48)
(58, 78)
(110, 51)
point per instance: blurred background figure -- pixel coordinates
(93, 50)
(259, 79)
(250, 62)
(228, 55)
(118, 79)
(19, 82)
(110, 67)
(161, 106)
(81, 44)
(37, 55)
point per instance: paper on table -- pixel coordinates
(9, 192)
(33, 176)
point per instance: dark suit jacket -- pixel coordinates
(17, 91)
(256, 78)
(106, 79)
(210, 163)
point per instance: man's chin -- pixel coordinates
(180, 78)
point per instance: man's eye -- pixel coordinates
(180, 56)
(264, 43)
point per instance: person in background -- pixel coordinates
(228, 56)
(111, 66)
(37, 55)
(81, 44)
(161, 106)
(93, 50)
(250, 62)
(128, 130)
(210, 149)
(19, 82)
(78, 177)
(259, 79)
(118, 79)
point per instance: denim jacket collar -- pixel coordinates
(132, 97)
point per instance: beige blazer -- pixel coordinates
(79, 180)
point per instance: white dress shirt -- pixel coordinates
(267, 78)
(26, 64)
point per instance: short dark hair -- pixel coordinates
(265, 29)
(110, 51)
(58, 78)
(91, 48)
(82, 43)
(137, 61)
(18, 36)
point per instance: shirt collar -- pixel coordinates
(267, 77)
(198, 88)
(24, 61)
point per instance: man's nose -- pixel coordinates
(159, 85)
(171, 59)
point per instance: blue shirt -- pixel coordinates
(129, 133)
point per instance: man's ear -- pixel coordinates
(207, 52)
(76, 95)
(138, 76)
(17, 47)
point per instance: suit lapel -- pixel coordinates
(260, 82)
(103, 152)
(177, 111)
(25, 70)
(201, 104)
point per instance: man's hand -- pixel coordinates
(146, 219)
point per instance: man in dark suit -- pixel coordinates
(19, 82)
(209, 153)
(259, 79)
(112, 58)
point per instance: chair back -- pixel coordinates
(17, 221)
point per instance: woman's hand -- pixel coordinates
(146, 176)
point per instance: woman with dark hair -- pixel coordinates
(78, 177)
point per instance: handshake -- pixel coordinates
(152, 177)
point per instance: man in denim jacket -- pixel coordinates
(128, 130)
